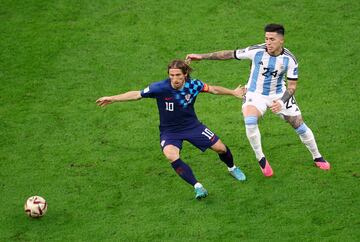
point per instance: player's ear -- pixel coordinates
(282, 39)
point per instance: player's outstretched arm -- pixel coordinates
(219, 55)
(128, 96)
(237, 92)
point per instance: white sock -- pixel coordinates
(254, 137)
(307, 137)
(198, 185)
(231, 168)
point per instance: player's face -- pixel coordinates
(274, 43)
(177, 78)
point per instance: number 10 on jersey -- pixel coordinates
(169, 106)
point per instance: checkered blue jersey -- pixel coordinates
(176, 107)
(268, 73)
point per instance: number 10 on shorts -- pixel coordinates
(208, 133)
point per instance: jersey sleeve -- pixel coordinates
(247, 53)
(152, 91)
(292, 72)
(198, 86)
(241, 54)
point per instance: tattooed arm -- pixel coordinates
(219, 55)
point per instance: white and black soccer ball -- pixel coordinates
(35, 206)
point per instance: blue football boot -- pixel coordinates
(200, 193)
(238, 174)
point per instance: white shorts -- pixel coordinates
(262, 103)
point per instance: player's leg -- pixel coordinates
(307, 137)
(172, 153)
(203, 138)
(171, 148)
(251, 116)
(226, 156)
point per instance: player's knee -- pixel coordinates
(250, 110)
(294, 121)
(219, 147)
(222, 149)
(171, 154)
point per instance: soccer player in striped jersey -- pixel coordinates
(175, 98)
(271, 66)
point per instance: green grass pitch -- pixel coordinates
(102, 171)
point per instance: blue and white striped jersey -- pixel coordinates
(268, 73)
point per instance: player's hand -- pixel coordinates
(240, 91)
(191, 57)
(277, 106)
(103, 101)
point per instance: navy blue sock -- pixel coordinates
(262, 162)
(227, 157)
(320, 159)
(184, 171)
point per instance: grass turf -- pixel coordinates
(101, 170)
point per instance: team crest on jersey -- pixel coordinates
(188, 93)
(281, 69)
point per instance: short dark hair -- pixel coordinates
(278, 28)
(180, 64)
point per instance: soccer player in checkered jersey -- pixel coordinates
(175, 98)
(271, 66)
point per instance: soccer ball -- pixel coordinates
(35, 206)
